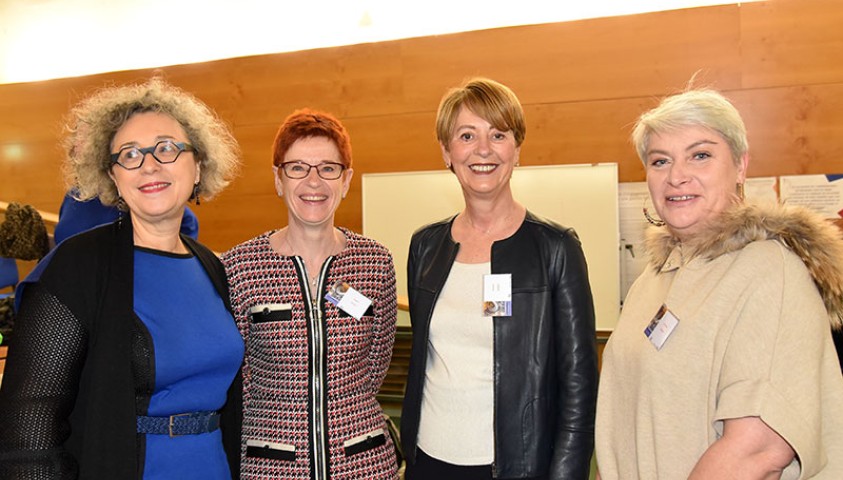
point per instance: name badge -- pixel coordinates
(348, 299)
(661, 326)
(497, 295)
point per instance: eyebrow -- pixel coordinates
(159, 138)
(688, 148)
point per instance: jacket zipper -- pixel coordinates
(318, 374)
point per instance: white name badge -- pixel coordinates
(348, 300)
(661, 326)
(497, 295)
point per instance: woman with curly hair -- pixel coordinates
(109, 375)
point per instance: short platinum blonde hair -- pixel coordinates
(491, 100)
(699, 107)
(91, 125)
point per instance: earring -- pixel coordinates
(195, 194)
(121, 208)
(121, 205)
(658, 222)
(740, 191)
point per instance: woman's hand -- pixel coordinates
(748, 449)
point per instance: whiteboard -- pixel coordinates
(584, 197)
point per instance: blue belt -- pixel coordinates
(181, 424)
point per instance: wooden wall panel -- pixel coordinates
(582, 83)
(793, 130)
(792, 42)
(592, 59)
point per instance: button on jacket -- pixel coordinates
(545, 362)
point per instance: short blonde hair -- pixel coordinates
(488, 99)
(91, 125)
(699, 107)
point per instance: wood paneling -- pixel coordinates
(582, 84)
(792, 42)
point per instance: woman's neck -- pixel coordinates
(481, 224)
(494, 218)
(313, 245)
(162, 235)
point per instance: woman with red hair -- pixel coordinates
(316, 306)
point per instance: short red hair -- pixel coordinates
(306, 123)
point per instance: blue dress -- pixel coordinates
(197, 351)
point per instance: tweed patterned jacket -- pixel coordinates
(312, 371)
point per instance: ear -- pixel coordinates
(517, 156)
(446, 156)
(279, 187)
(114, 180)
(346, 181)
(198, 173)
(743, 164)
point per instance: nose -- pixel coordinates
(482, 146)
(312, 176)
(151, 163)
(678, 174)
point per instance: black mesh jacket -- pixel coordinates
(79, 368)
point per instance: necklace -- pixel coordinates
(314, 279)
(501, 222)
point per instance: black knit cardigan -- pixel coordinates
(92, 274)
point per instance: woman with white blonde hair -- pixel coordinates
(722, 363)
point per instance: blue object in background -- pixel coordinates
(8, 274)
(77, 216)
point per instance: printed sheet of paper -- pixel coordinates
(821, 193)
(632, 197)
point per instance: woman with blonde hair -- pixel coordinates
(503, 372)
(722, 363)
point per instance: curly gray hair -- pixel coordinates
(92, 124)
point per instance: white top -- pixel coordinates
(458, 399)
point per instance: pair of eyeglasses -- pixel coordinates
(325, 170)
(165, 151)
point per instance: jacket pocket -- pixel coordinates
(271, 450)
(364, 442)
(271, 312)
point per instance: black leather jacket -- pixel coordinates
(545, 361)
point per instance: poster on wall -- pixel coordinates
(632, 197)
(761, 190)
(821, 193)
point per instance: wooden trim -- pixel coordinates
(4, 350)
(403, 303)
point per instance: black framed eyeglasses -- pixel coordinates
(165, 151)
(325, 170)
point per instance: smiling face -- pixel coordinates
(154, 192)
(692, 175)
(481, 156)
(312, 201)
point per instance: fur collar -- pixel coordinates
(818, 242)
